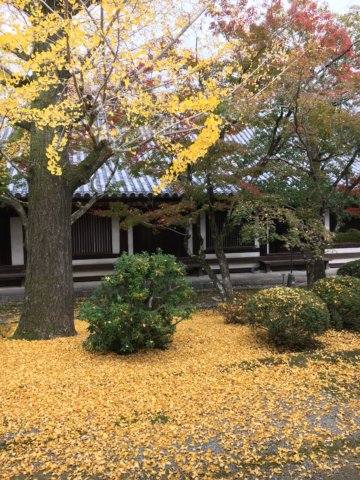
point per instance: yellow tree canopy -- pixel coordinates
(117, 73)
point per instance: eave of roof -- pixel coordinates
(122, 184)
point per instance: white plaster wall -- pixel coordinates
(235, 255)
(343, 250)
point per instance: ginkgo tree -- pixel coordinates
(102, 78)
(89, 76)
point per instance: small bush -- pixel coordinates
(291, 317)
(350, 269)
(139, 305)
(235, 311)
(350, 236)
(342, 296)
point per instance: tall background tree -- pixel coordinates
(314, 108)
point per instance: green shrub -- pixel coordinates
(235, 311)
(342, 296)
(350, 269)
(139, 305)
(291, 317)
(350, 236)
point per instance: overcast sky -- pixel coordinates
(341, 6)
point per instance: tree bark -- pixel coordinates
(227, 291)
(48, 303)
(315, 270)
(227, 287)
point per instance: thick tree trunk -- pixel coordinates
(315, 270)
(201, 257)
(227, 292)
(215, 280)
(48, 303)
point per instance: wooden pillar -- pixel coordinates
(115, 234)
(131, 241)
(327, 219)
(17, 241)
(203, 229)
(190, 239)
(256, 239)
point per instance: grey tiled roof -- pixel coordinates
(122, 184)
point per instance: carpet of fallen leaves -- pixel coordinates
(217, 404)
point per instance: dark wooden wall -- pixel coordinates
(5, 242)
(91, 236)
(232, 239)
(146, 240)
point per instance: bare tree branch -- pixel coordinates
(346, 168)
(97, 196)
(81, 173)
(12, 163)
(84, 208)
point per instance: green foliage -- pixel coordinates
(350, 269)
(301, 229)
(342, 296)
(350, 236)
(235, 311)
(139, 305)
(291, 317)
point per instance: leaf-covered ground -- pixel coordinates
(217, 404)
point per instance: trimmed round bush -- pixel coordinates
(350, 269)
(350, 236)
(235, 311)
(139, 305)
(342, 296)
(290, 317)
